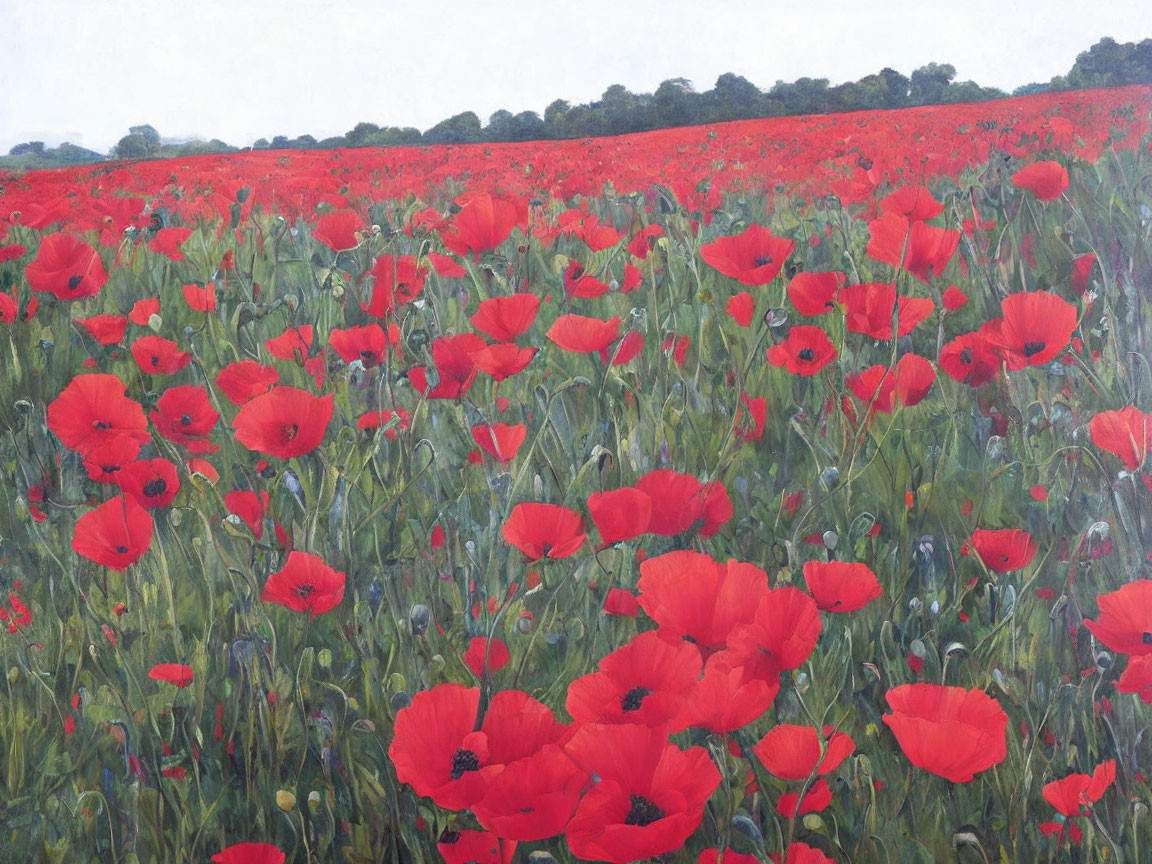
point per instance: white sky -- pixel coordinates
(85, 70)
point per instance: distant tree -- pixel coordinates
(928, 83)
(460, 129)
(618, 107)
(133, 146)
(1031, 89)
(36, 147)
(737, 98)
(554, 117)
(261, 144)
(280, 142)
(674, 103)
(149, 134)
(803, 96)
(304, 142)
(1109, 63)
(527, 126)
(499, 126)
(332, 142)
(897, 88)
(363, 135)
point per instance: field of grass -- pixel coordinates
(773, 490)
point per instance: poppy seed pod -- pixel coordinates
(420, 616)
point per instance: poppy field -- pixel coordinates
(765, 491)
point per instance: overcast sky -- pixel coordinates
(238, 70)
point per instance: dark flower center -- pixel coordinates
(368, 356)
(965, 356)
(100, 424)
(288, 433)
(450, 837)
(635, 698)
(303, 591)
(1031, 348)
(185, 419)
(643, 812)
(1003, 559)
(1146, 638)
(155, 487)
(74, 281)
(120, 550)
(155, 361)
(462, 761)
(807, 354)
(763, 259)
(108, 469)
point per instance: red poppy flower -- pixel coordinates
(948, 731)
(115, 534)
(482, 224)
(284, 422)
(305, 584)
(1004, 551)
(505, 318)
(482, 652)
(500, 441)
(92, 410)
(816, 800)
(200, 298)
(12, 251)
(475, 847)
(293, 344)
(453, 358)
(622, 602)
(954, 298)
(249, 853)
(167, 242)
(1137, 677)
(337, 230)
(645, 241)
(446, 266)
(632, 278)
(801, 853)
(753, 257)
(532, 798)
(915, 203)
(796, 752)
(395, 281)
(184, 415)
(728, 697)
(540, 530)
(696, 599)
(926, 250)
(144, 309)
(156, 355)
(875, 386)
(583, 335)
(626, 349)
(244, 380)
(579, 283)
(650, 796)
(741, 308)
(1125, 620)
(815, 293)
(913, 377)
(620, 514)
(971, 359)
(250, 507)
(804, 352)
(1045, 180)
(104, 463)
(1082, 266)
(152, 482)
(841, 587)
(1074, 792)
(105, 329)
(681, 503)
(1034, 328)
(868, 309)
(368, 344)
(503, 360)
(67, 267)
(782, 634)
(645, 682)
(376, 419)
(1126, 434)
(172, 673)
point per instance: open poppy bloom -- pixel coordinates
(244, 380)
(757, 409)
(1137, 677)
(200, 298)
(1004, 551)
(782, 634)
(67, 267)
(337, 230)
(503, 360)
(948, 731)
(815, 800)
(868, 309)
(532, 798)
(396, 280)
(728, 697)
(645, 682)
(249, 853)
(540, 530)
(284, 422)
(115, 534)
(680, 503)
(815, 293)
(152, 482)
(505, 318)
(926, 250)
(1033, 329)
(741, 307)
(841, 587)
(184, 415)
(650, 796)
(1073, 794)
(753, 257)
(168, 241)
(1046, 180)
(797, 752)
(914, 202)
(376, 419)
(475, 847)
(500, 441)
(172, 673)
(583, 335)
(620, 514)
(105, 329)
(293, 344)
(970, 358)
(305, 584)
(804, 352)
(159, 356)
(250, 507)
(1125, 620)
(105, 463)
(490, 654)
(453, 358)
(914, 377)
(1126, 434)
(92, 410)
(579, 283)
(368, 344)
(483, 223)
(446, 266)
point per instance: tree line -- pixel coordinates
(675, 102)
